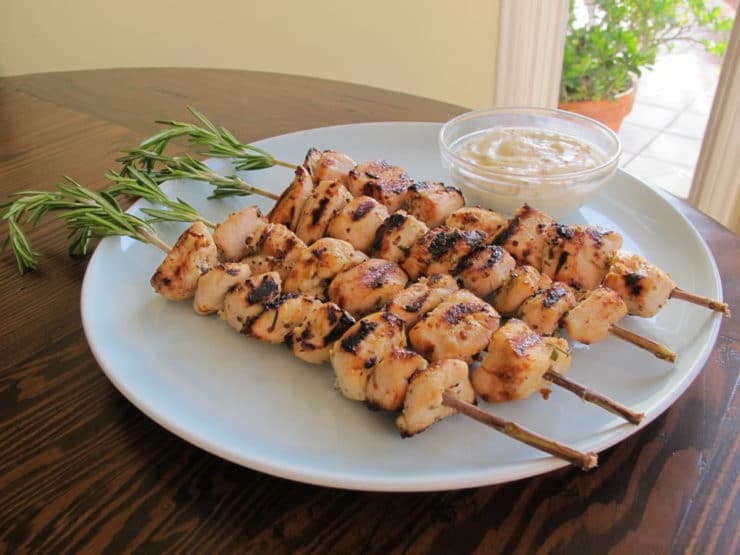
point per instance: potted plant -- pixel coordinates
(610, 42)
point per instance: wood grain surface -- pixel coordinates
(82, 470)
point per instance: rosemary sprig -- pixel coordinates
(217, 142)
(25, 257)
(142, 185)
(88, 215)
(175, 167)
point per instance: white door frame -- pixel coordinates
(530, 52)
(716, 186)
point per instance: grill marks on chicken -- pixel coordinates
(358, 222)
(475, 218)
(329, 165)
(432, 201)
(380, 180)
(423, 404)
(288, 208)
(281, 246)
(579, 256)
(214, 285)
(327, 198)
(459, 327)
(319, 264)
(387, 385)
(280, 316)
(544, 310)
(440, 250)
(412, 303)
(244, 302)
(367, 287)
(362, 346)
(522, 283)
(590, 320)
(485, 270)
(398, 233)
(193, 255)
(516, 362)
(311, 339)
(524, 236)
(644, 287)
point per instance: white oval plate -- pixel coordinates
(258, 406)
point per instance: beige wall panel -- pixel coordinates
(440, 49)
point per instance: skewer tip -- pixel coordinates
(712, 304)
(658, 349)
(590, 461)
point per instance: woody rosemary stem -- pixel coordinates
(713, 304)
(154, 240)
(598, 399)
(285, 164)
(585, 461)
(658, 349)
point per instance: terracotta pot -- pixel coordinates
(609, 112)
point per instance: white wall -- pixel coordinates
(437, 48)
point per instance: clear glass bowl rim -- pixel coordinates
(524, 110)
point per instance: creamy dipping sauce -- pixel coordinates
(527, 151)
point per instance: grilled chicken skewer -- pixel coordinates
(525, 235)
(444, 322)
(255, 306)
(574, 254)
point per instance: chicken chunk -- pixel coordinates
(523, 282)
(311, 161)
(590, 320)
(378, 179)
(319, 264)
(280, 243)
(543, 311)
(246, 301)
(236, 237)
(432, 202)
(288, 208)
(475, 218)
(424, 405)
(459, 327)
(361, 347)
(644, 287)
(259, 264)
(397, 235)
(358, 222)
(332, 166)
(412, 303)
(193, 255)
(485, 270)
(327, 198)
(213, 286)
(440, 251)
(280, 317)
(579, 255)
(368, 286)
(525, 235)
(561, 355)
(514, 365)
(386, 388)
(310, 340)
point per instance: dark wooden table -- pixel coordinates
(82, 470)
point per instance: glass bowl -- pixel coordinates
(506, 190)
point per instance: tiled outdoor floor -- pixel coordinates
(662, 136)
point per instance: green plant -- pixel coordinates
(609, 41)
